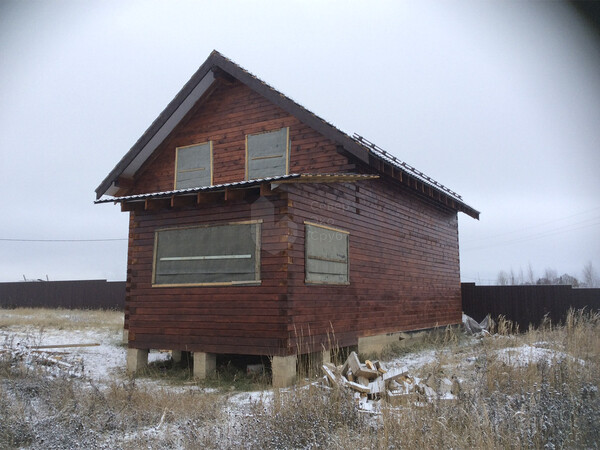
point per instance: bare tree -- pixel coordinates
(550, 277)
(530, 275)
(590, 277)
(502, 279)
(568, 279)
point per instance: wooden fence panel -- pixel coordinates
(79, 294)
(526, 304)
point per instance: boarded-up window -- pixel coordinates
(326, 255)
(267, 154)
(194, 166)
(219, 254)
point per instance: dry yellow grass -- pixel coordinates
(61, 319)
(548, 402)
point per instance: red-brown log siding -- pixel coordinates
(218, 319)
(229, 114)
(404, 264)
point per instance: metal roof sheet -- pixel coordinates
(293, 177)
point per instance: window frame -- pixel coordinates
(306, 256)
(257, 249)
(288, 147)
(197, 144)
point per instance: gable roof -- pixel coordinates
(357, 147)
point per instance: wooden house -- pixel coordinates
(258, 228)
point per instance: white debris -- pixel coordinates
(394, 385)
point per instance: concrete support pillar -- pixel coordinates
(176, 356)
(137, 359)
(284, 371)
(205, 364)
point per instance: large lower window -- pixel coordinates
(326, 259)
(267, 154)
(219, 254)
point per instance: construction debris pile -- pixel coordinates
(371, 382)
(472, 327)
(57, 363)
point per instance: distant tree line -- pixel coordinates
(589, 279)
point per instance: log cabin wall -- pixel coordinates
(404, 269)
(403, 257)
(215, 319)
(226, 319)
(231, 112)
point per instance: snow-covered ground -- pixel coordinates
(101, 356)
(97, 354)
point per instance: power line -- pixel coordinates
(543, 234)
(533, 227)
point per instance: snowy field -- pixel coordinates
(87, 354)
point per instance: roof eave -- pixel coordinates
(198, 84)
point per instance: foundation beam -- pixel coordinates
(370, 345)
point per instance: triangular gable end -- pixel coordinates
(218, 66)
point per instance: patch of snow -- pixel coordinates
(527, 354)
(411, 361)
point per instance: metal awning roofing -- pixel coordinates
(218, 66)
(283, 179)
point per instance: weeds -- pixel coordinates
(61, 319)
(537, 389)
(307, 417)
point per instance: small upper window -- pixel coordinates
(193, 166)
(326, 255)
(267, 154)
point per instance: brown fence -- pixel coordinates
(80, 294)
(526, 304)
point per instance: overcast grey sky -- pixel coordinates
(497, 100)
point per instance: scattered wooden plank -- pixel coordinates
(370, 374)
(392, 374)
(353, 363)
(358, 387)
(363, 380)
(334, 378)
(64, 345)
(377, 386)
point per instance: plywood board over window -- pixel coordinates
(326, 254)
(268, 154)
(226, 254)
(193, 166)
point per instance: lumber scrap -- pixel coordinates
(377, 386)
(393, 374)
(335, 378)
(371, 381)
(360, 370)
(39, 347)
(358, 387)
